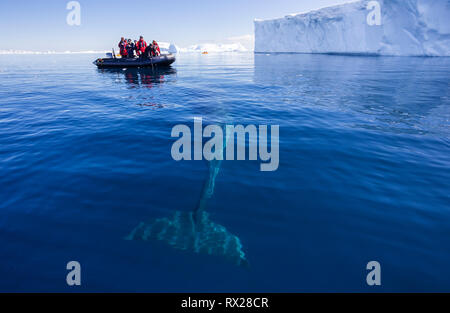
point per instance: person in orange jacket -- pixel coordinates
(141, 45)
(157, 49)
(123, 48)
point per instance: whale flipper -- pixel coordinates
(202, 235)
(194, 230)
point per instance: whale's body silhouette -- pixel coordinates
(194, 230)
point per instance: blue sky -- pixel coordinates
(41, 25)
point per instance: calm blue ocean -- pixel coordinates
(364, 173)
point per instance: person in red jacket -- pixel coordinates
(141, 46)
(123, 48)
(157, 49)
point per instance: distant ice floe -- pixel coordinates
(51, 52)
(207, 47)
(215, 48)
(165, 47)
(404, 28)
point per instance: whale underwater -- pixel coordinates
(194, 230)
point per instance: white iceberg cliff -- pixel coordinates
(384, 27)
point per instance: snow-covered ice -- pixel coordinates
(407, 28)
(199, 48)
(215, 48)
(165, 47)
(51, 52)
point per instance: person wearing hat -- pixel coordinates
(130, 48)
(141, 46)
(156, 48)
(123, 47)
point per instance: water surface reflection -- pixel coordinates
(400, 95)
(140, 77)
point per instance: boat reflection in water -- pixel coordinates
(140, 77)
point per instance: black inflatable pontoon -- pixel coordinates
(159, 61)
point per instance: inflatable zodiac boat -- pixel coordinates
(164, 60)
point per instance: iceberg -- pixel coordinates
(384, 27)
(167, 47)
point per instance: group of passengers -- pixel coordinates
(131, 49)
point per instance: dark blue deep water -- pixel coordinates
(364, 173)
